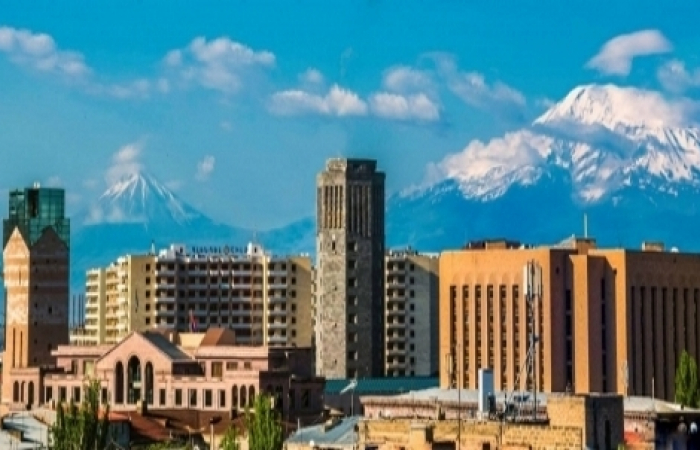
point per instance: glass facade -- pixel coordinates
(35, 209)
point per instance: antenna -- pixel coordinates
(585, 225)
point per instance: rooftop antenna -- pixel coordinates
(585, 225)
(153, 247)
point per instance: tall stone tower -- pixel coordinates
(350, 274)
(36, 255)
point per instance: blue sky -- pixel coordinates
(237, 104)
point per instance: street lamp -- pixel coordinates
(213, 421)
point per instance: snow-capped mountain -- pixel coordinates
(623, 154)
(140, 198)
(607, 138)
(137, 211)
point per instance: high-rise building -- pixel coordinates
(349, 321)
(36, 255)
(411, 327)
(607, 320)
(265, 299)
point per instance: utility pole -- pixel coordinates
(532, 280)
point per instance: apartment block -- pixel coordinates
(264, 299)
(411, 308)
(607, 320)
(349, 312)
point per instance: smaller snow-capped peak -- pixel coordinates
(617, 108)
(140, 198)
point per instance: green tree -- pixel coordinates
(230, 440)
(263, 426)
(687, 393)
(80, 427)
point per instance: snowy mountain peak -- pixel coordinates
(618, 108)
(604, 139)
(139, 197)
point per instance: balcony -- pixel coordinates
(395, 352)
(164, 299)
(396, 312)
(277, 326)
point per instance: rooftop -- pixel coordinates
(633, 404)
(329, 434)
(381, 386)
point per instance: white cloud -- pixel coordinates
(473, 88)
(479, 159)
(675, 77)
(205, 167)
(226, 125)
(404, 107)
(311, 76)
(402, 79)
(615, 56)
(54, 181)
(39, 51)
(217, 64)
(125, 161)
(337, 102)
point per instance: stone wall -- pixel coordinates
(575, 421)
(419, 435)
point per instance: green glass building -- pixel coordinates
(34, 209)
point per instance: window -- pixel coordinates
(161, 397)
(105, 395)
(49, 393)
(207, 398)
(193, 397)
(247, 365)
(217, 369)
(232, 365)
(222, 398)
(178, 397)
(62, 393)
(305, 398)
(76, 394)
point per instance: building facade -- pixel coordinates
(36, 255)
(166, 370)
(349, 307)
(264, 299)
(607, 320)
(411, 322)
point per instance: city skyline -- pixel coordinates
(226, 98)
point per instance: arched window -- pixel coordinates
(149, 383)
(30, 393)
(251, 395)
(21, 391)
(119, 383)
(243, 396)
(133, 373)
(234, 397)
(15, 392)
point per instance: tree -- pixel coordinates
(263, 425)
(687, 392)
(80, 427)
(230, 440)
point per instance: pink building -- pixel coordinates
(166, 370)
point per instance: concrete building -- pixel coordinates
(350, 271)
(265, 299)
(608, 320)
(36, 253)
(411, 308)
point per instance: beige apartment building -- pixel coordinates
(608, 320)
(265, 299)
(411, 313)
